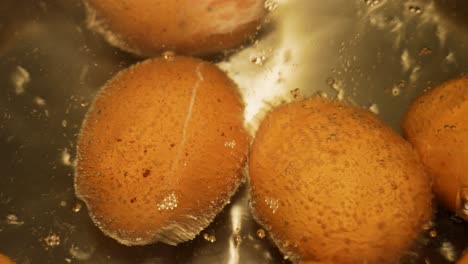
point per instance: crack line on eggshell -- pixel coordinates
(188, 116)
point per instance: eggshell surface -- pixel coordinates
(161, 151)
(148, 27)
(437, 125)
(332, 184)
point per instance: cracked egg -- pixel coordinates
(161, 150)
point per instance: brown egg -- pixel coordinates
(463, 259)
(5, 260)
(437, 125)
(332, 184)
(161, 151)
(147, 27)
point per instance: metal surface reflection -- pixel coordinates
(374, 53)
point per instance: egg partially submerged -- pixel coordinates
(332, 184)
(437, 125)
(161, 151)
(147, 27)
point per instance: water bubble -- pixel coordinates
(39, 101)
(396, 91)
(425, 51)
(450, 58)
(401, 84)
(271, 5)
(80, 253)
(237, 240)
(20, 79)
(168, 203)
(267, 256)
(337, 86)
(273, 204)
(169, 55)
(341, 95)
(447, 250)
(52, 240)
(12, 219)
(415, 9)
(433, 233)
(463, 208)
(230, 144)
(209, 238)
(66, 157)
(374, 108)
(297, 94)
(261, 233)
(428, 225)
(77, 207)
(258, 60)
(331, 137)
(372, 3)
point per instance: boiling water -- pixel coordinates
(376, 54)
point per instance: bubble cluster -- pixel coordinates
(273, 204)
(169, 202)
(372, 3)
(230, 144)
(415, 9)
(52, 240)
(209, 238)
(271, 5)
(447, 250)
(12, 219)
